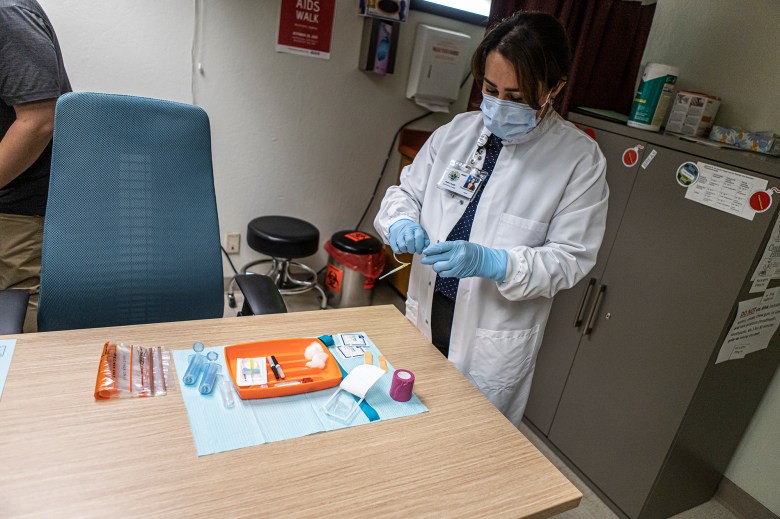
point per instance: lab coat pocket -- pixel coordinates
(411, 310)
(513, 231)
(502, 358)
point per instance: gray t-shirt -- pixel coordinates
(31, 69)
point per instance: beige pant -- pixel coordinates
(21, 238)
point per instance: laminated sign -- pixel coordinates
(305, 27)
(720, 188)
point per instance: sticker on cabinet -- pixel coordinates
(631, 156)
(649, 159)
(687, 174)
(720, 188)
(761, 200)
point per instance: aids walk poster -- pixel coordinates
(305, 27)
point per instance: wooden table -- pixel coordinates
(63, 454)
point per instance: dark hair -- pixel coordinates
(537, 46)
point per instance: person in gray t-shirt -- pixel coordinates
(32, 77)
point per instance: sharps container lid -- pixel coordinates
(356, 242)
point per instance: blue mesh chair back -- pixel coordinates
(131, 233)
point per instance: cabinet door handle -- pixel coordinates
(581, 311)
(596, 307)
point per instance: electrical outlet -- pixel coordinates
(232, 242)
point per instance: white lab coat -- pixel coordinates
(545, 204)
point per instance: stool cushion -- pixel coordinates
(282, 237)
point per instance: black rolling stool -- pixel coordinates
(284, 239)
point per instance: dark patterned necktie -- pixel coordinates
(462, 230)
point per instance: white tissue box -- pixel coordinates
(693, 113)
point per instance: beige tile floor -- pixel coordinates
(591, 506)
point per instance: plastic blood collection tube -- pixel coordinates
(197, 362)
(210, 373)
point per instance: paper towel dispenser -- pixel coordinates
(439, 62)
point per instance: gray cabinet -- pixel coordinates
(568, 316)
(626, 387)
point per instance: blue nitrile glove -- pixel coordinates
(463, 259)
(407, 236)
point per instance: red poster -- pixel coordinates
(305, 27)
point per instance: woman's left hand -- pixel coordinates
(463, 259)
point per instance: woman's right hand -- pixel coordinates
(406, 236)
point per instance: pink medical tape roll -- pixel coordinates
(401, 387)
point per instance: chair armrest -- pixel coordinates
(261, 296)
(13, 307)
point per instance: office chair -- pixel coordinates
(131, 233)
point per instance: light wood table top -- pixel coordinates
(63, 454)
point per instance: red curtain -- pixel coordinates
(607, 38)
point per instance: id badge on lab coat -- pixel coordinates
(461, 179)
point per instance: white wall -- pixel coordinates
(725, 48)
(295, 135)
(730, 49)
(291, 135)
(755, 467)
(135, 47)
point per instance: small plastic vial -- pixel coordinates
(226, 390)
(197, 361)
(209, 378)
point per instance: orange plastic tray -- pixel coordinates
(289, 355)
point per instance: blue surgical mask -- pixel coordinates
(507, 120)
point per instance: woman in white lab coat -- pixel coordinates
(487, 264)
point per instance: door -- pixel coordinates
(671, 281)
(569, 310)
